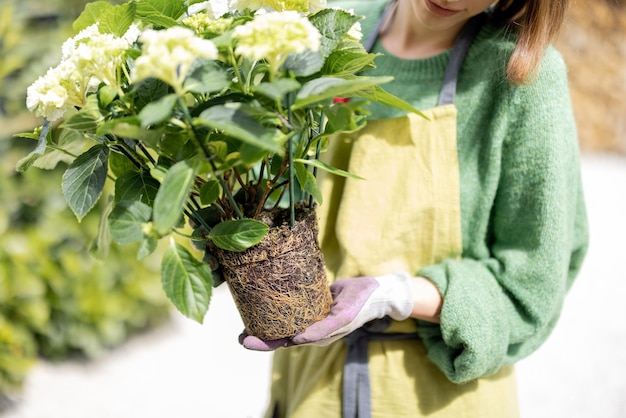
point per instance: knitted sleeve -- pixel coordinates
(500, 308)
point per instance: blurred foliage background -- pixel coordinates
(56, 300)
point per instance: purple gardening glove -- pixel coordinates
(356, 301)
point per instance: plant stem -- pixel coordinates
(292, 198)
(318, 149)
(207, 154)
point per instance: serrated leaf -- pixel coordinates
(162, 13)
(238, 235)
(84, 180)
(118, 19)
(187, 282)
(333, 24)
(91, 14)
(126, 221)
(172, 196)
(136, 185)
(150, 90)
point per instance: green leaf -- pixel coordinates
(126, 221)
(307, 181)
(207, 78)
(377, 94)
(84, 180)
(161, 12)
(304, 64)
(146, 247)
(237, 124)
(85, 120)
(102, 243)
(238, 235)
(136, 185)
(157, 111)
(119, 164)
(344, 63)
(106, 95)
(118, 19)
(333, 170)
(210, 191)
(124, 127)
(187, 282)
(150, 90)
(333, 25)
(343, 118)
(327, 88)
(25, 163)
(278, 89)
(91, 14)
(172, 196)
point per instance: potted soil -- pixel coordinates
(208, 124)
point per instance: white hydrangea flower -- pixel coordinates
(355, 31)
(273, 36)
(213, 8)
(69, 46)
(202, 23)
(132, 34)
(99, 55)
(60, 89)
(168, 55)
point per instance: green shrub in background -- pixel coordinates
(55, 299)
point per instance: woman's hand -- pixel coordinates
(357, 301)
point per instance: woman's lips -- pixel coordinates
(440, 11)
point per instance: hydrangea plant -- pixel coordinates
(199, 113)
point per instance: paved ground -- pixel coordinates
(191, 370)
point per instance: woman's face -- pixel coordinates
(444, 15)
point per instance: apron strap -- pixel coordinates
(356, 402)
(461, 46)
(356, 379)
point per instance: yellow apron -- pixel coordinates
(404, 215)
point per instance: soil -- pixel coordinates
(280, 284)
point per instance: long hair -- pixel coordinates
(536, 22)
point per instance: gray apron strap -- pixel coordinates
(461, 46)
(356, 402)
(356, 378)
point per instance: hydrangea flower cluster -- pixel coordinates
(169, 54)
(273, 36)
(87, 59)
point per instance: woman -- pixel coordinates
(450, 262)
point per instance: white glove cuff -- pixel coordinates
(397, 290)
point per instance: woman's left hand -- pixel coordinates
(356, 301)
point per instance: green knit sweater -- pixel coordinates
(523, 219)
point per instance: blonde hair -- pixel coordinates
(536, 22)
